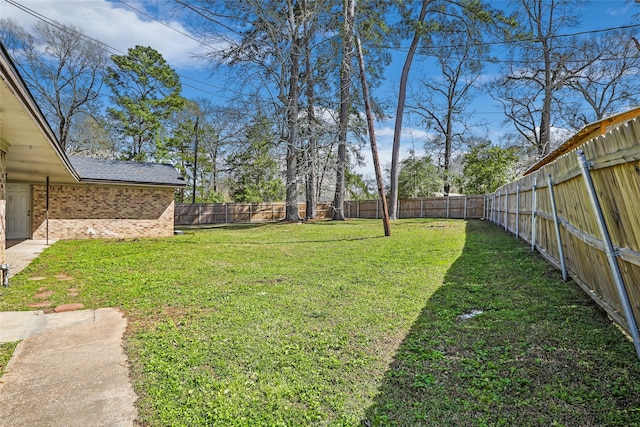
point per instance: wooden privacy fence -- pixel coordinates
(227, 213)
(460, 207)
(582, 213)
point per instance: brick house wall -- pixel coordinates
(102, 211)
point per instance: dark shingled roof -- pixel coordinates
(118, 171)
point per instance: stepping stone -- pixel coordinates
(68, 307)
(72, 294)
(41, 304)
(63, 277)
(43, 294)
(36, 278)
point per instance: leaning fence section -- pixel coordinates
(582, 213)
(228, 213)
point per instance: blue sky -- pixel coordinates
(118, 25)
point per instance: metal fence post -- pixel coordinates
(533, 215)
(377, 207)
(447, 206)
(421, 208)
(506, 209)
(498, 211)
(226, 213)
(557, 227)
(465, 208)
(493, 209)
(611, 253)
(517, 211)
(484, 206)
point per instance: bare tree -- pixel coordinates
(345, 101)
(267, 38)
(419, 31)
(434, 20)
(441, 102)
(609, 81)
(372, 138)
(529, 90)
(62, 67)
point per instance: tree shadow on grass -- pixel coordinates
(284, 240)
(505, 342)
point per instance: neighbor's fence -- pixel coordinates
(228, 213)
(460, 207)
(582, 213)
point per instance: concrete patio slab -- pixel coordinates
(70, 371)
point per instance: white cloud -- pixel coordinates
(408, 134)
(115, 25)
(410, 137)
(619, 11)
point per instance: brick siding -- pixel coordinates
(102, 211)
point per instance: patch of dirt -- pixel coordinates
(179, 316)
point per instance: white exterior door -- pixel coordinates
(18, 211)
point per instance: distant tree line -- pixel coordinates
(296, 128)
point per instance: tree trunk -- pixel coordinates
(372, 138)
(345, 86)
(397, 130)
(312, 196)
(291, 212)
(544, 143)
(447, 149)
(545, 119)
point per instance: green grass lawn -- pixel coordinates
(328, 323)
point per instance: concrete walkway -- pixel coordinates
(69, 369)
(20, 253)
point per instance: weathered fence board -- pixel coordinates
(434, 207)
(614, 165)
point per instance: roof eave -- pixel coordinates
(19, 87)
(590, 131)
(131, 183)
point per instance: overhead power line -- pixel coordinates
(62, 27)
(143, 13)
(112, 50)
